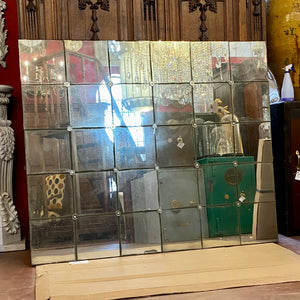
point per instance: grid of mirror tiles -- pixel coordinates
(145, 147)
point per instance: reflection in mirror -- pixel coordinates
(46, 235)
(47, 151)
(171, 62)
(131, 60)
(175, 145)
(248, 61)
(173, 104)
(87, 62)
(137, 190)
(214, 58)
(132, 104)
(45, 106)
(90, 106)
(134, 147)
(97, 236)
(140, 233)
(93, 149)
(181, 229)
(96, 192)
(50, 196)
(41, 62)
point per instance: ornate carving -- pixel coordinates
(32, 20)
(102, 4)
(9, 214)
(3, 35)
(203, 7)
(151, 10)
(7, 143)
(256, 11)
(31, 7)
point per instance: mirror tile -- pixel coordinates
(134, 147)
(45, 106)
(98, 236)
(130, 60)
(140, 233)
(96, 192)
(93, 149)
(42, 62)
(90, 106)
(170, 62)
(173, 104)
(47, 151)
(137, 190)
(87, 62)
(248, 61)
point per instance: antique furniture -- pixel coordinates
(285, 121)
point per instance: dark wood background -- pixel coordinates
(235, 20)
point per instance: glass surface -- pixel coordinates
(223, 226)
(52, 240)
(253, 144)
(97, 237)
(90, 106)
(96, 192)
(178, 188)
(87, 62)
(228, 180)
(41, 61)
(173, 104)
(250, 101)
(212, 98)
(248, 61)
(181, 229)
(170, 62)
(47, 151)
(175, 146)
(140, 233)
(45, 106)
(157, 146)
(137, 190)
(50, 196)
(134, 147)
(132, 104)
(93, 149)
(131, 61)
(214, 58)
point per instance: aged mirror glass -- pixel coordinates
(146, 147)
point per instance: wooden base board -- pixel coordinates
(168, 273)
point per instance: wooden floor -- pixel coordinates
(17, 281)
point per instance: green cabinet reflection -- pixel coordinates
(229, 186)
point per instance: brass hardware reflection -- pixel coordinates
(183, 224)
(298, 157)
(233, 176)
(226, 196)
(192, 202)
(175, 204)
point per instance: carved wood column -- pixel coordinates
(3, 35)
(9, 222)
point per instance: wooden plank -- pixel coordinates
(242, 23)
(175, 272)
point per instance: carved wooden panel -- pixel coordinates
(142, 19)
